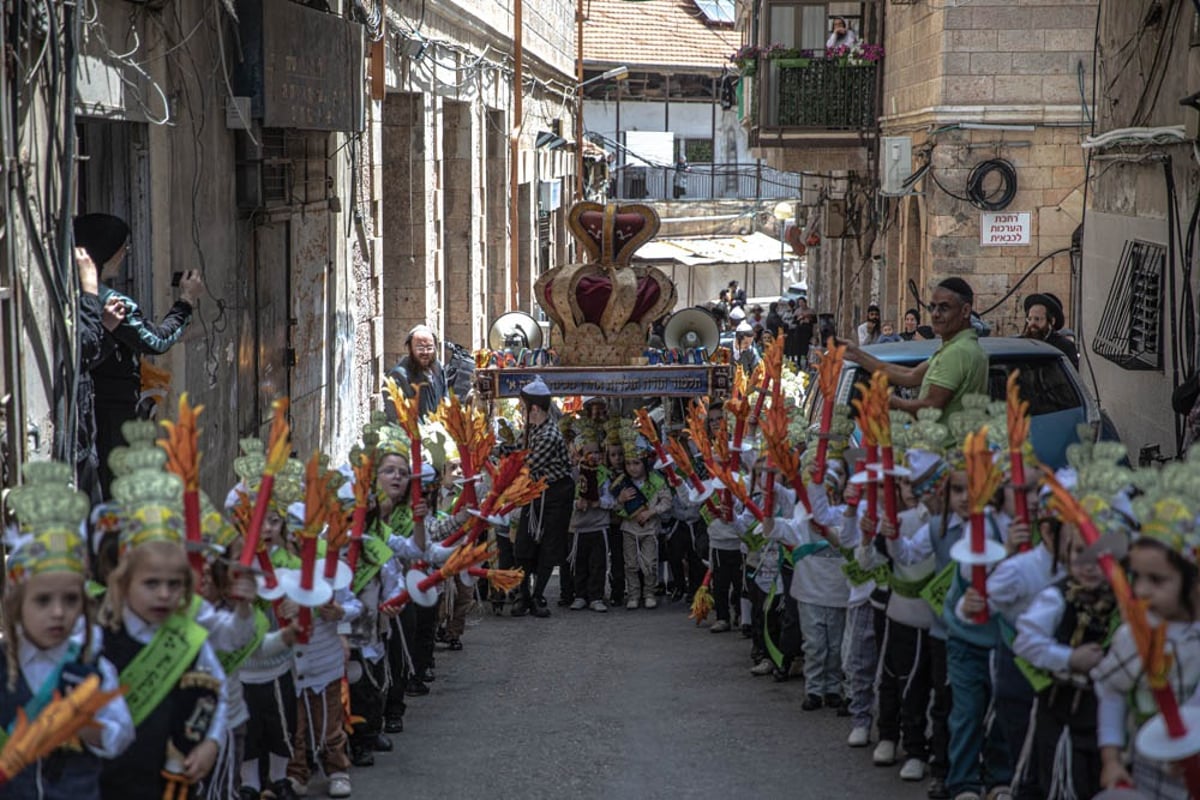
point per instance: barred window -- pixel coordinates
(1130, 329)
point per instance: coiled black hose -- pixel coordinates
(996, 201)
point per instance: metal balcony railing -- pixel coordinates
(704, 182)
(820, 94)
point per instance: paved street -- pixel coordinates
(624, 705)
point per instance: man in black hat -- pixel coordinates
(1044, 319)
(542, 530)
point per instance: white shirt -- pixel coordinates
(116, 726)
(142, 632)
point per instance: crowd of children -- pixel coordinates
(1024, 678)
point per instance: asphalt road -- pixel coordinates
(628, 704)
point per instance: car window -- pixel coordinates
(1044, 383)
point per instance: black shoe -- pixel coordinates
(520, 608)
(676, 595)
(660, 590)
(564, 601)
(811, 703)
(427, 675)
(779, 675)
(937, 790)
(284, 790)
(247, 793)
(746, 634)
(540, 607)
(454, 644)
(380, 743)
(394, 725)
(833, 700)
(415, 687)
(361, 756)
(440, 634)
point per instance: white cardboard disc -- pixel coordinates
(467, 578)
(342, 578)
(411, 579)
(871, 473)
(465, 481)
(744, 447)
(898, 472)
(275, 592)
(993, 552)
(1153, 742)
(696, 498)
(320, 593)
(661, 464)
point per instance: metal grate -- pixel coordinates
(826, 95)
(1130, 329)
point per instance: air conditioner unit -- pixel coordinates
(549, 195)
(895, 163)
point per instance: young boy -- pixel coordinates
(640, 496)
(589, 526)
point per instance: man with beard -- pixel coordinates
(1044, 319)
(420, 367)
(542, 529)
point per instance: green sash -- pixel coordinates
(857, 576)
(375, 553)
(232, 660)
(159, 665)
(938, 587)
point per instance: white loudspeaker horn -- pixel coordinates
(515, 330)
(692, 328)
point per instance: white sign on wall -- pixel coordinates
(1004, 228)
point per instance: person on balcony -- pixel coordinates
(841, 36)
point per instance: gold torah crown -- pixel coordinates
(603, 308)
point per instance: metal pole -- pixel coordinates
(578, 100)
(514, 165)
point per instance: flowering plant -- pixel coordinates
(747, 52)
(860, 53)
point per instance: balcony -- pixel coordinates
(819, 102)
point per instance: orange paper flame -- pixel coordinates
(645, 426)
(872, 406)
(182, 444)
(505, 580)
(829, 371)
(407, 408)
(774, 426)
(1018, 413)
(983, 474)
(278, 443)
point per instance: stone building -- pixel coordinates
(1138, 280)
(889, 145)
(338, 171)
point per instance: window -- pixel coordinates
(696, 151)
(806, 26)
(1130, 329)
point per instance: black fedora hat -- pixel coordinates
(1053, 306)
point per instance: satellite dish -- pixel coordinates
(692, 328)
(515, 330)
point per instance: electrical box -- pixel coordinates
(895, 163)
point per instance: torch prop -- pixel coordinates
(278, 447)
(646, 427)
(269, 587)
(829, 372)
(337, 533)
(504, 580)
(474, 439)
(183, 459)
(702, 602)
(364, 480)
(422, 588)
(983, 479)
(738, 406)
(303, 588)
(408, 416)
(1171, 734)
(1018, 436)
(877, 437)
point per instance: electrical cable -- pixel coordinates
(980, 198)
(1172, 293)
(1029, 272)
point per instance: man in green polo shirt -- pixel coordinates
(959, 367)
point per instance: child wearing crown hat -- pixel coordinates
(164, 655)
(49, 641)
(589, 525)
(641, 496)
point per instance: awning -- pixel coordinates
(696, 250)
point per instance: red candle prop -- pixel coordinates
(890, 511)
(304, 622)
(646, 427)
(1018, 435)
(769, 490)
(278, 448)
(829, 372)
(461, 559)
(983, 479)
(683, 463)
(872, 485)
(979, 571)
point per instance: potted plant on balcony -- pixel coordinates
(746, 59)
(788, 57)
(860, 54)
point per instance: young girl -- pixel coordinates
(49, 642)
(640, 497)
(171, 671)
(1166, 580)
(1063, 633)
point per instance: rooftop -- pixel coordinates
(659, 33)
(755, 248)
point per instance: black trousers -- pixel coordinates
(616, 565)
(762, 619)
(401, 672)
(904, 687)
(684, 546)
(368, 697)
(791, 643)
(426, 637)
(590, 564)
(727, 581)
(939, 712)
(539, 557)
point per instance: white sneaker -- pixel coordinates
(859, 737)
(967, 796)
(631, 604)
(720, 626)
(913, 770)
(579, 605)
(885, 753)
(339, 785)
(301, 789)
(650, 602)
(763, 667)
(598, 605)
(999, 793)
